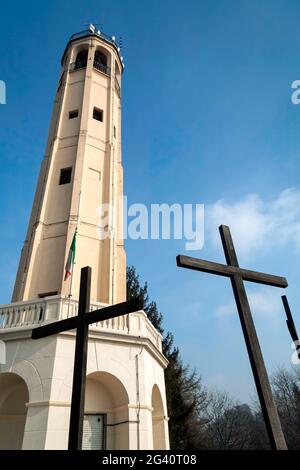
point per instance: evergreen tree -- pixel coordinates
(186, 397)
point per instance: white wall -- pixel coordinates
(46, 366)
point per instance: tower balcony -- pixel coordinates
(102, 68)
(97, 65)
(81, 64)
(20, 317)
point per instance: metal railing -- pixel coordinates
(88, 32)
(81, 64)
(102, 68)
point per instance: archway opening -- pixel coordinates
(100, 57)
(102, 61)
(158, 424)
(106, 423)
(81, 59)
(13, 398)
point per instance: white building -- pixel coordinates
(125, 404)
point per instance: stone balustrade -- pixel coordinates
(31, 313)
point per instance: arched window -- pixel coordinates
(81, 59)
(101, 58)
(101, 62)
(117, 79)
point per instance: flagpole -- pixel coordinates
(71, 280)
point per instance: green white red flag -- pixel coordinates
(71, 258)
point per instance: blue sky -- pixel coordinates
(207, 118)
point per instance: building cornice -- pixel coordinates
(88, 35)
(23, 333)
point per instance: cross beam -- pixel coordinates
(237, 276)
(101, 314)
(229, 271)
(290, 324)
(81, 323)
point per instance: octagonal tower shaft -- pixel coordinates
(80, 174)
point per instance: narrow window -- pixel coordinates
(98, 114)
(47, 294)
(115, 132)
(73, 114)
(65, 176)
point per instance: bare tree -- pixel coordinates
(286, 386)
(229, 424)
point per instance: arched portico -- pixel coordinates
(13, 398)
(158, 420)
(106, 413)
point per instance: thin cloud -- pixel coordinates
(225, 310)
(263, 302)
(257, 224)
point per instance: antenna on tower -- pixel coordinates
(121, 42)
(92, 26)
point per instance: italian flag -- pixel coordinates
(71, 258)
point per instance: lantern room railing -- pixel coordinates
(81, 64)
(97, 65)
(102, 68)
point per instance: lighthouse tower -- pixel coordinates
(79, 193)
(81, 180)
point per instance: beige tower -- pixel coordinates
(125, 400)
(80, 174)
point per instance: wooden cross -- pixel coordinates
(290, 324)
(237, 276)
(81, 322)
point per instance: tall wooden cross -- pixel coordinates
(237, 276)
(291, 325)
(81, 322)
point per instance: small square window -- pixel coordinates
(73, 114)
(98, 114)
(65, 176)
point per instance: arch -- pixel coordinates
(105, 394)
(100, 57)
(102, 60)
(14, 395)
(158, 420)
(29, 373)
(81, 59)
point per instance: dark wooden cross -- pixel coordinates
(81, 322)
(237, 276)
(290, 324)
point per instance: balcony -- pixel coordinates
(21, 316)
(102, 68)
(81, 64)
(87, 32)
